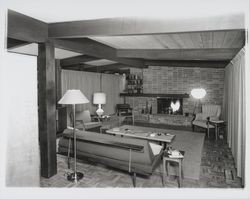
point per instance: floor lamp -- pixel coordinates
(74, 97)
(198, 94)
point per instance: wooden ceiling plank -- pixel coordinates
(233, 38)
(218, 38)
(196, 39)
(229, 38)
(177, 40)
(207, 39)
(77, 60)
(139, 26)
(186, 40)
(239, 40)
(22, 27)
(96, 49)
(179, 54)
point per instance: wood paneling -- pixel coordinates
(47, 109)
(189, 40)
(25, 28)
(139, 26)
(179, 54)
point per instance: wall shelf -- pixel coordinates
(154, 95)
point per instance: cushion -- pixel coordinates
(90, 125)
(156, 148)
(202, 123)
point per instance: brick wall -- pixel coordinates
(180, 80)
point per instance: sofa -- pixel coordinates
(137, 156)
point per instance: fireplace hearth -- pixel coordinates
(170, 106)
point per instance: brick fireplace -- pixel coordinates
(177, 80)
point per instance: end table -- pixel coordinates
(217, 125)
(166, 159)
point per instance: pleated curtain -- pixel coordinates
(234, 107)
(89, 83)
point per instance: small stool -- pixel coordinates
(168, 159)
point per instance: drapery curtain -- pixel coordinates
(234, 110)
(110, 84)
(89, 83)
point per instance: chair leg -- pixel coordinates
(134, 179)
(208, 132)
(193, 128)
(180, 173)
(163, 173)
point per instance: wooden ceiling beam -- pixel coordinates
(187, 63)
(179, 54)
(109, 67)
(25, 28)
(138, 26)
(13, 43)
(76, 60)
(95, 49)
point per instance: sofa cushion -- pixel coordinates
(87, 142)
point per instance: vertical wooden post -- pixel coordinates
(58, 80)
(47, 108)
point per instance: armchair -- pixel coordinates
(125, 110)
(84, 121)
(209, 112)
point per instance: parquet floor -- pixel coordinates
(217, 171)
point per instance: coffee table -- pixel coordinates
(142, 133)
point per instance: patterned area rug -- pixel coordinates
(190, 142)
(217, 170)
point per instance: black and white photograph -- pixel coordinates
(124, 99)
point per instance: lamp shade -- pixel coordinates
(198, 93)
(73, 97)
(99, 98)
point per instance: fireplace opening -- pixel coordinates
(170, 106)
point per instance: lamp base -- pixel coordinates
(74, 177)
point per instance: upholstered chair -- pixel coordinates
(209, 113)
(84, 121)
(125, 110)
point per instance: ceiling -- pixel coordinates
(212, 48)
(64, 10)
(212, 39)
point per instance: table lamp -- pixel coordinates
(99, 98)
(74, 97)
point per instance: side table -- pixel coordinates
(217, 125)
(167, 159)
